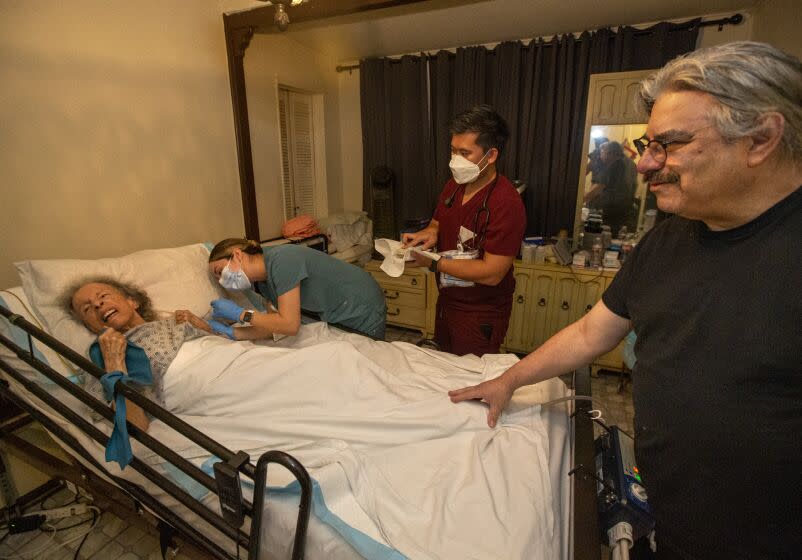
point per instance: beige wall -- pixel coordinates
(117, 129)
(351, 139)
(709, 36)
(273, 60)
(779, 22)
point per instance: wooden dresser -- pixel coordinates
(547, 298)
(406, 296)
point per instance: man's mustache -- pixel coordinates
(660, 176)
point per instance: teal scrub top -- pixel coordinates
(338, 291)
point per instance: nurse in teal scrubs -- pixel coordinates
(293, 278)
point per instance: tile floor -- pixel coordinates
(110, 538)
(113, 539)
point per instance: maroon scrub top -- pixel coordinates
(505, 230)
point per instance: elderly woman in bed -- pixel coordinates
(120, 313)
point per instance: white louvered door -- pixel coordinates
(297, 152)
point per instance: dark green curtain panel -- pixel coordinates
(540, 89)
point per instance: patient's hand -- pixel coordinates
(112, 346)
(185, 316)
(496, 393)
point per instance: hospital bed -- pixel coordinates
(296, 516)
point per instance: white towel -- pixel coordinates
(394, 256)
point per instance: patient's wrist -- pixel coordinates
(115, 366)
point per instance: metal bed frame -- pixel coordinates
(585, 526)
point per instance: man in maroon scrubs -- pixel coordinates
(473, 319)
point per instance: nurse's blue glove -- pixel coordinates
(226, 309)
(221, 328)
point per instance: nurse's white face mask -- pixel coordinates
(234, 279)
(465, 171)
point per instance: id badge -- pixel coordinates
(448, 281)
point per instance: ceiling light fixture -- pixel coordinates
(281, 17)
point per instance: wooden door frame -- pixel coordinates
(239, 29)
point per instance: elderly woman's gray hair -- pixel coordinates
(145, 308)
(748, 79)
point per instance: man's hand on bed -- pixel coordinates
(495, 393)
(185, 316)
(222, 329)
(112, 347)
(226, 309)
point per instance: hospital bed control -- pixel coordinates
(229, 488)
(621, 496)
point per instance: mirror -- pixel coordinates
(612, 186)
(609, 184)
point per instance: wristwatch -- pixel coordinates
(247, 316)
(433, 266)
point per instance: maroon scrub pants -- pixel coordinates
(462, 328)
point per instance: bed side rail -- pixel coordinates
(586, 517)
(247, 468)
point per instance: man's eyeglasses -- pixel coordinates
(658, 149)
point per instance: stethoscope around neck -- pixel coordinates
(484, 210)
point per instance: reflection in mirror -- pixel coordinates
(613, 189)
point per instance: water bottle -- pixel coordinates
(649, 218)
(627, 246)
(596, 253)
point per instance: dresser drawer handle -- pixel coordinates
(565, 305)
(542, 302)
(414, 281)
(520, 299)
(391, 295)
(393, 313)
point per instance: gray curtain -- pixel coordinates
(540, 89)
(397, 133)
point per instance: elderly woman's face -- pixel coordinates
(100, 306)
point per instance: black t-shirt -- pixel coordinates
(717, 386)
(620, 179)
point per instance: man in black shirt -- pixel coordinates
(613, 191)
(714, 294)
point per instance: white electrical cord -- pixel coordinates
(78, 536)
(31, 554)
(595, 402)
(47, 548)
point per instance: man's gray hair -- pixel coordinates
(748, 79)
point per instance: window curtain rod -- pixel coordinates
(734, 19)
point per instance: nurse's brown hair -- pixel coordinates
(224, 249)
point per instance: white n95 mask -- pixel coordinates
(463, 170)
(234, 279)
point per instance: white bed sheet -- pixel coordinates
(323, 541)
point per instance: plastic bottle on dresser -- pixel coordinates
(596, 253)
(607, 236)
(627, 245)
